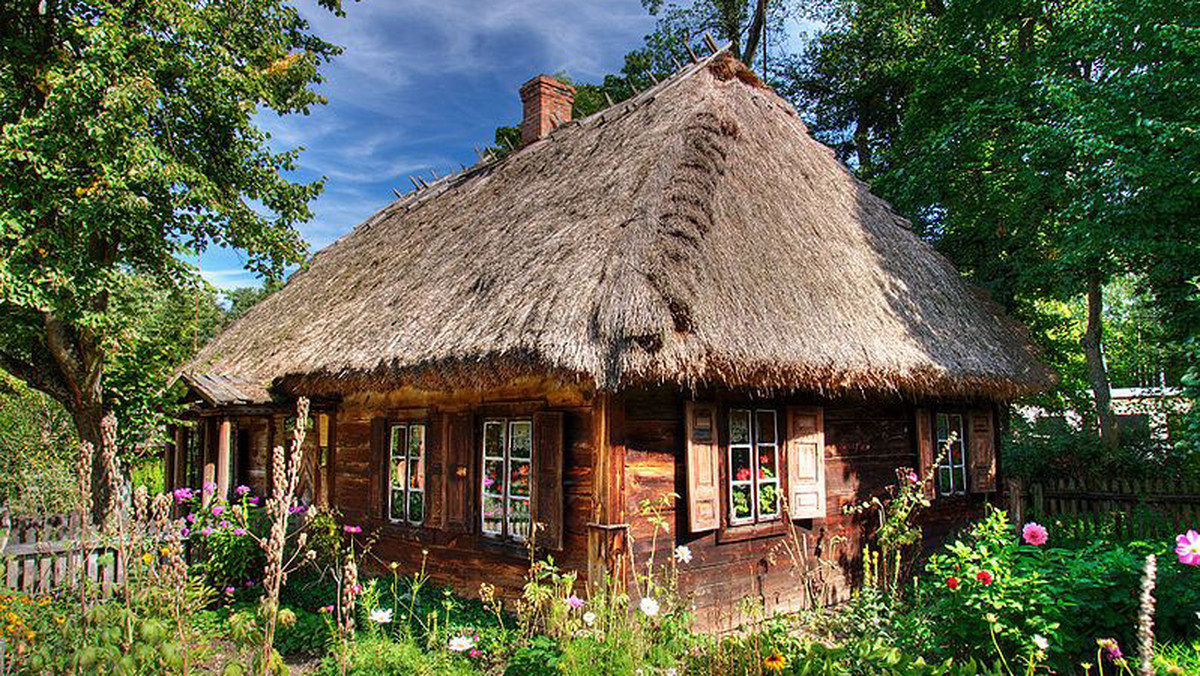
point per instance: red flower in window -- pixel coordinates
(743, 474)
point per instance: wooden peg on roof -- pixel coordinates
(690, 52)
(397, 193)
(424, 185)
(651, 74)
(608, 99)
(676, 62)
(416, 186)
(711, 43)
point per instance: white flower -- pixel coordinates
(461, 644)
(381, 616)
(670, 672)
(589, 618)
(649, 606)
(683, 554)
(1041, 642)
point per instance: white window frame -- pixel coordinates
(505, 495)
(954, 471)
(755, 447)
(404, 431)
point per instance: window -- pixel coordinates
(506, 478)
(406, 473)
(753, 464)
(952, 471)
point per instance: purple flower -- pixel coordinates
(210, 487)
(184, 533)
(229, 590)
(297, 509)
(252, 501)
(912, 476)
(218, 510)
(1112, 650)
(352, 529)
(574, 602)
(206, 531)
(223, 524)
(182, 495)
(249, 583)
(239, 531)
(191, 518)
(242, 490)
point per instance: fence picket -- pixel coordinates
(1135, 508)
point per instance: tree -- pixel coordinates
(1046, 148)
(128, 138)
(741, 23)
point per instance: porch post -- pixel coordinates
(224, 434)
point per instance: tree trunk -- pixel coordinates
(757, 28)
(87, 416)
(1097, 370)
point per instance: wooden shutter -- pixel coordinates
(378, 502)
(703, 467)
(459, 489)
(981, 455)
(926, 454)
(435, 475)
(806, 462)
(548, 453)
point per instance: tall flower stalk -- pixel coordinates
(285, 477)
(1146, 617)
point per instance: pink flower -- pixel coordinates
(229, 590)
(475, 652)
(191, 518)
(912, 476)
(210, 487)
(239, 531)
(1187, 548)
(242, 490)
(206, 531)
(327, 609)
(574, 602)
(352, 529)
(1034, 534)
(218, 510)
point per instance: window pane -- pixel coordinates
(944, 484)
(768, 499)
(397, 508)
(765, 421)
(518, 518)
(518, 482)
(766, 462)
(416, 441)
(493, 515)
(739, 464)
(943, 427)
(522, 439)
(493, 439)
(399, 469)
(493, 477)
(416, 507)
(956, 454)
(740, 502)
(739, 427)
(416, 474)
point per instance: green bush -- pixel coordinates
(540, 656)
(308, 635)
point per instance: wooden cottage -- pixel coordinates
(684, 293)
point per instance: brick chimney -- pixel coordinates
(547, 103)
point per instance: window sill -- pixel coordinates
(751, 531)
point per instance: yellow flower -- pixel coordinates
(148, 558)
(165, 551)
(30, 635)
(776, 662)
(60, 619)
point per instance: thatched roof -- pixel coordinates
(695, 234)
(219, 390)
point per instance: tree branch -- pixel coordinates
(756, 30)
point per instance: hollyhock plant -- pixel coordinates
(1187, 548)
(1034, 534)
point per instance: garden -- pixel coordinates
(267, 585)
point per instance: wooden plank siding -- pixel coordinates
(463, 560)
(864, 444)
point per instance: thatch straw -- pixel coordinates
(696, 235)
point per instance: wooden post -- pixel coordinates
(1016, 501)
(607, 530)
(1038, 506)
(224, 439)
(210, 472)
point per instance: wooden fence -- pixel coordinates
(42, 554)
(1120, 507)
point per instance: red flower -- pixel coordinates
(743, 474)
(984, 576)
(952, 583)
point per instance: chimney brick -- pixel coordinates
(547, 104)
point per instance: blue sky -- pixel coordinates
(422, 83)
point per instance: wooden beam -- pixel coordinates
(608, 530)
(224, 440)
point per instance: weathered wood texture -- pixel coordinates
(42, 554)
(864, 444)
(1114, 507)
(456, 554)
